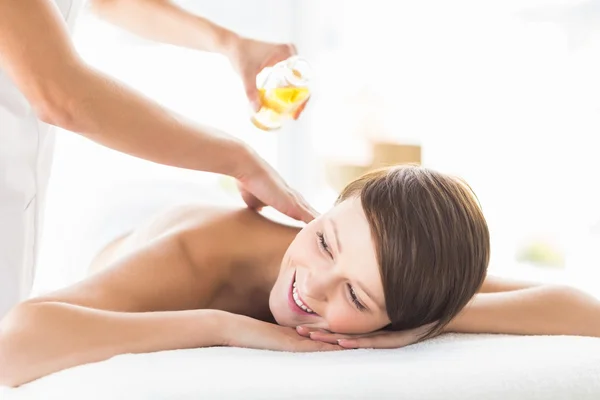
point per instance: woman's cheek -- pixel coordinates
(304, 245)
(341, 321)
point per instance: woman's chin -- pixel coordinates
(282, 319)
(278, 310)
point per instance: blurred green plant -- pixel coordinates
(542, 253)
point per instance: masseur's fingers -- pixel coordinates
(300, 109)
(260, 185)
(251, 200)
(305, 212)
(251, 56)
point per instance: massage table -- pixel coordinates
(451, 366)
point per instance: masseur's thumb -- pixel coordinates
(303, 211)
(252, 93)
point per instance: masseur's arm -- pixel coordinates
(37, 54)
(512, 307)
(166, 22)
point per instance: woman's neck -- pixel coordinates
(267, 243)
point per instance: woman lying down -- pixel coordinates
(401, 257)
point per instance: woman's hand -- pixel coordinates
(241, 331)
(260, 186)
(373, 340)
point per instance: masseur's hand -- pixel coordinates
(249, 57)
(374, 340)
(242, 331)
(260, 185)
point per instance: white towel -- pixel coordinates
(449, 367)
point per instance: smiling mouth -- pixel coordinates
(297, 302)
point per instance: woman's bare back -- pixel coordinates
(158, 225)
(192, 257)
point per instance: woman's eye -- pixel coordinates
(354, 298)
(323, 243)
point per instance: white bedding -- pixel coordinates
(449, 367)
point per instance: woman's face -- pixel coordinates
(329, 277)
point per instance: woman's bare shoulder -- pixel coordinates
(184, 217)
(228, 236)
(172, 221)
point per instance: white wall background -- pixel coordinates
(503, 93)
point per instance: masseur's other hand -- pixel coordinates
(242, 331)
(249, 57)
(374, 340)
(260, 185)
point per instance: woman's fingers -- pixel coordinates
(373, 340)
(387, 339)
(306, 331)
(392, 340)
(310, 345)
(332, 338)
(323, 335)
(303, 331)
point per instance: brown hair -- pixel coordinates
(432, 242)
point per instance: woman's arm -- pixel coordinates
(151, 300)
(538, 310)
(494, 284)
(40, 338)
(110, 313)
(502, 306)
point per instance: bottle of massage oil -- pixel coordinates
(283, 91)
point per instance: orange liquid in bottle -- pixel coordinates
(277, 104)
